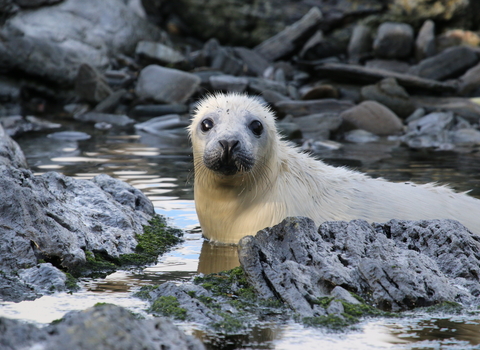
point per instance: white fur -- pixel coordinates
(290, 183)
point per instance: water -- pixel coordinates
(162, 169)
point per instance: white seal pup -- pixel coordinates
(247, 178)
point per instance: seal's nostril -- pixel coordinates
(227, 147)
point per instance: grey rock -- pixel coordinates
(447, 64)
(425, 43)
(255, 63)
(319, 91)
(322, 47)
(373, 117)
(228, 83)
(432, 123)
(291, 38)
(44, 278)
(469, 83)
(397, 265)
(389, 65)
(417, 114)
(159, 52)
(51, 42)
(430, 131)
(224, 60)
(100, 327)
(463, 107)
(111, 102)
(272, 97)
(352, 73)
(466, 137)
(393, 40)
(289, 130)
(10, 152)
(258, 85)
(158, 110)
(335, 308)
(318, 126)
(170, 124)
(90, 85)
(12, 288)
(96, 117)
(9, 90)
(343, 294)
(165, 84)
(360, 43)
(302, 108)
(35, 3)
(360, 136)
(15, 125)
(390, 94)
(69, 135)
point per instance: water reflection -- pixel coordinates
(217, 257)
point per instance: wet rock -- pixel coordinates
(360, 44)
(469, 83)
(114, 119)
(16, 125)
(90, 85)
(158, 110)
(318, 126)
(360, 136)
(466, 137)
(430, 131)
(302, 108)
(50, 42)
(258, 85)
(159, 52)
(44, 278)
(393, 40)
(165, 84)
(255, 63)
(351, 73)
(319, 91)
(228, 83)
(319, 46)
(397, 265)
(343, 294)
(100, 327)
(9, 90)
(391, 65)
(69, 136)
(10, 152)
(373, 117)
(425, 43)
(457, 37)
(291, 38)
(171, 124)
(111, 102)
(463, 107)
(272, 97)
(447, 64)
(224, 60)
(390, 94)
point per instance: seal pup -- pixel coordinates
(248, 178)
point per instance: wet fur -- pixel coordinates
(285, 182)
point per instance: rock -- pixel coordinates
(289, 130)
(228, 83)
(9, 90)
(258, 85)
(255, 63)
(291, 38)
(466, 137)
(360, 136)
(447, 64)
(104, 326)
(457, 37)
(397, 265)
(158, 110)
(351, 73)
(373, 117)
(44, 278)
(469, 83)
(463, 107)
(50, 42)
(225, 61)
(111, 102)
(318, 126)
(35, 3)
(319, 46)
(319, 91)
(389, 65)
(69, 136)
(425, 42)
(390, 94)
(302, 108)
(16, 125)
(272, 97)
(432, 123)
(393, 40)
(335, 308)
(360, 44)
(157, 126)
(90, 85)
(114, 119)
(165, 84)
(10, 152)
(430, 131)
(342, 294)
(158, 52)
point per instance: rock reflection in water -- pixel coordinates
(217, 257)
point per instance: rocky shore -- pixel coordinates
(342, 73)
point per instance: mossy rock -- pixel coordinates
(168, 306)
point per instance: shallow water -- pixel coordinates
(162, 169)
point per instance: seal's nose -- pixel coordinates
(228, 146)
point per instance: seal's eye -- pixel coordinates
(256, 127)
(207, 124)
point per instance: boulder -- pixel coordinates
(165, 84)
(425, 42)
(373, 117)
(393, 40)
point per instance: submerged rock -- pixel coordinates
(397, 265)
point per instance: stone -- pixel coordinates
(360, 44)
(165, 84)
(10, 152)
(390, 94)
(228, 83)
(396, 265)
(469, 83)
(457, 37)
(158, 110)
(343, 294)
(289, 130)
(224, 60)
(351, 73)
(389, 65)
(464, 107)
(430, 131)
(255, 63)
(466, 137)
(319, 91)
(35, 3)
(90, 85)
(16, 125)
(159, 125)
(291, 38)
(158, 52)
(320, 47)
(104, 326)
(258, 85)
(425, 43)
(448, 64)
(69, 136)
(52, 42)
(360, 136)
(272, 97)
(303, 108)
(111, 102)
(373, 117)
(393, 40)
(318, 126)
(96, 117)
(44, 278)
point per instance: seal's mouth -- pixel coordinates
(228, 158)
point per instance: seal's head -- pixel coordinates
(231, 135)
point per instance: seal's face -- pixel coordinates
(230, 135)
